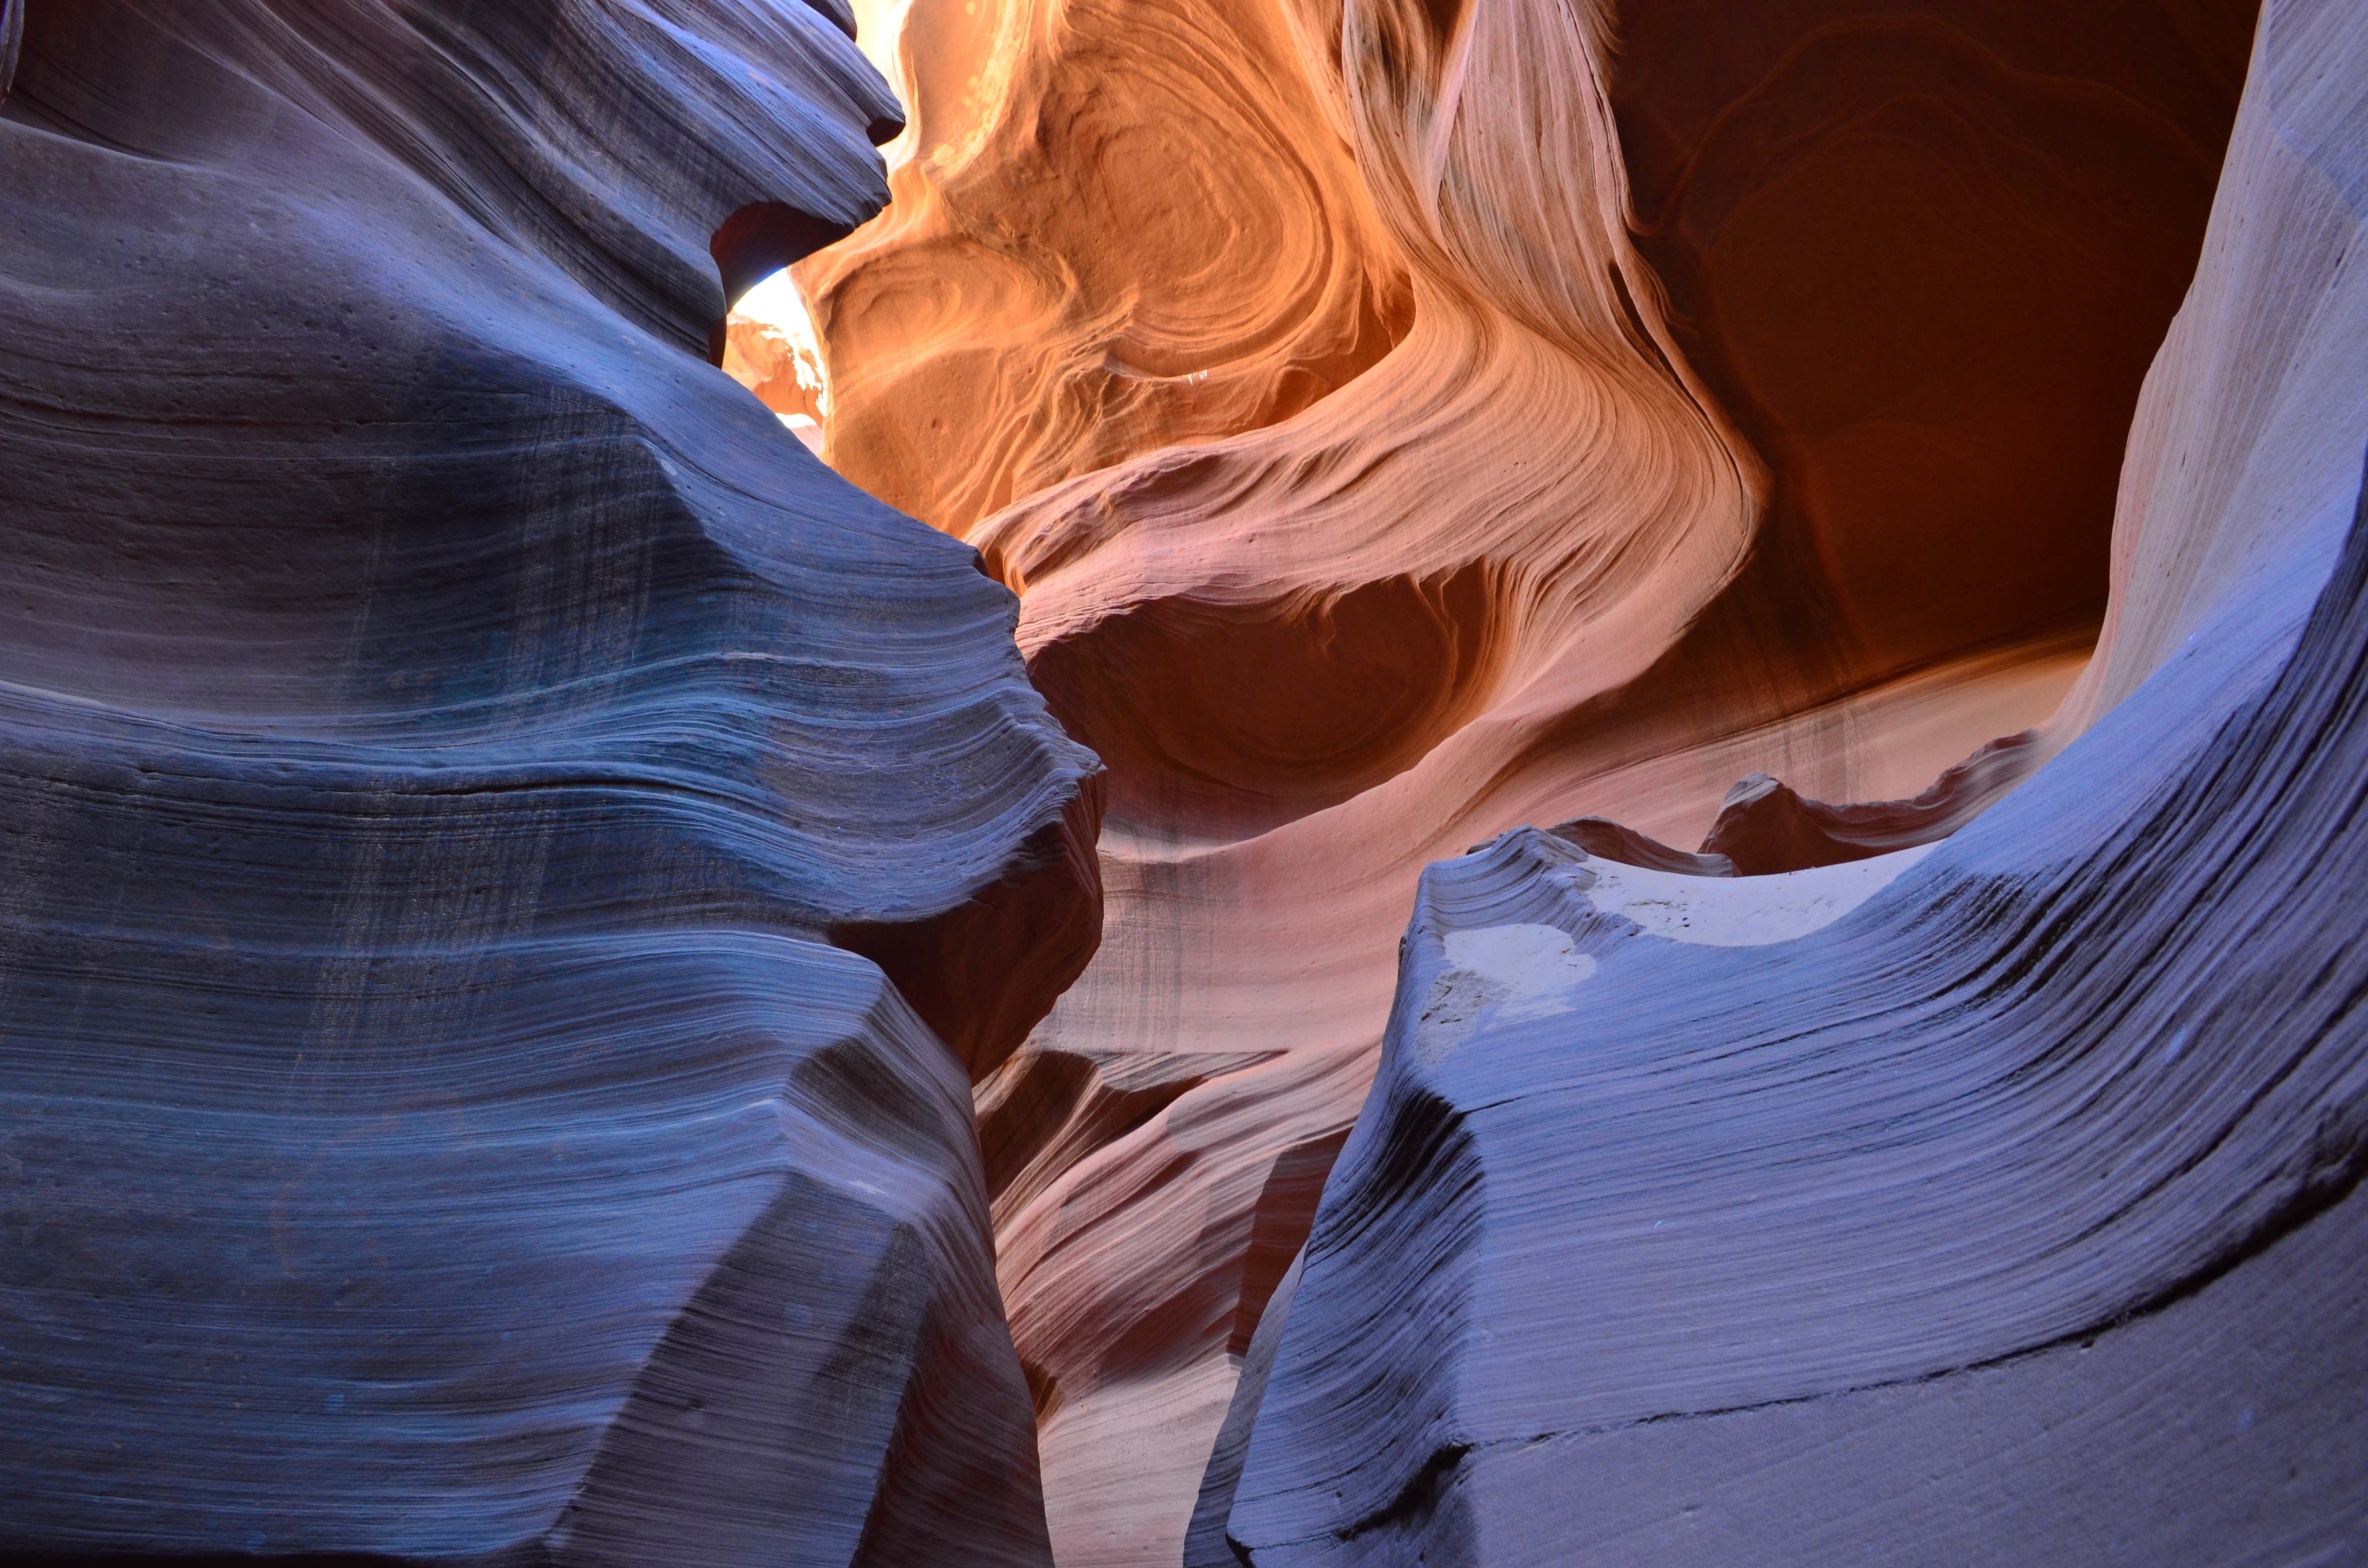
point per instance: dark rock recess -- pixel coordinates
(1923, 251)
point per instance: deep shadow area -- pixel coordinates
(1923, 251)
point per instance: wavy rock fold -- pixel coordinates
(2008, 1214)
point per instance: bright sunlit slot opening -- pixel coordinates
(771, 347)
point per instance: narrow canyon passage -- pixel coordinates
(906, 783)
(1449, 419)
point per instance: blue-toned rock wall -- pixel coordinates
(453, 744)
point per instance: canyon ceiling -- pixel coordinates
(1490, 782)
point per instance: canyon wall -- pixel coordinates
(1924, 252)
(1728, 397)
(456, 749)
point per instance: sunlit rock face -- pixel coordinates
(1121, 227)
(456, 749)
(785, 374)
(1746, 396)
(1722, 649)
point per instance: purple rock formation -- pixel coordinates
(443, 725)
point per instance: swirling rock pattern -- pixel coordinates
(2011, 1216)
(1570, 547)
(444, 727)
(1121, 226)
(535, 913)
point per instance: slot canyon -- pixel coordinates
(1126, 784)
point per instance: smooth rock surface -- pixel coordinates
(444, 726)
(531, 913)
(1923, 251)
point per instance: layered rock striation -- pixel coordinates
(563, 998)
(1120, 227)
(455, 749)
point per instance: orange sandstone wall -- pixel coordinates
(760, 358)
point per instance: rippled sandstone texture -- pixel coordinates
(1812, 476)
(519, 882)
(1128, 226)
(455, 747)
